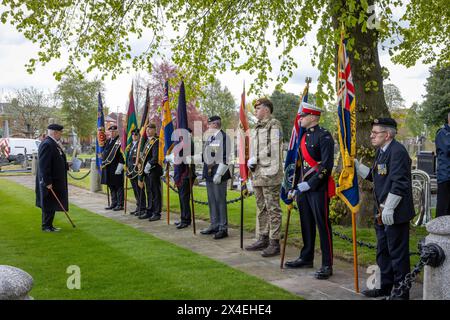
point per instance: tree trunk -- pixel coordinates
(370, 102)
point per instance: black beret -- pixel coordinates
(386, 122)
(214, 118)
(112, 128)
(55, 126)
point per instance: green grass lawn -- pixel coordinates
(342, 248)
(116, 261)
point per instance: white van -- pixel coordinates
(18, 147)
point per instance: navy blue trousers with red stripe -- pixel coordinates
(314, 209)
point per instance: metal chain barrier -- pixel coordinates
(431, 255)
(80, 178)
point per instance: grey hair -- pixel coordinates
(392, 131)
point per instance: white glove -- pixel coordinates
(303, 186)
(292, 194)
(147, 168)
(251, 163)
(199, 177)
(362, 170)
(170, 158)
(219, 173)
(119, 169)
(392, 201)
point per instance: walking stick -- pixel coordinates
(283, 251)
(60, 204)
(168, 192)
(192, 199)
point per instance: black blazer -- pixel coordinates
(391, 173)
(52, 169)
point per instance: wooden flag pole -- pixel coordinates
(192, 199)
(355, 253)
(125, 195)
(168, 192)
(283, 251)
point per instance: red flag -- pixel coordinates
(243, 143)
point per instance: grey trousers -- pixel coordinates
(217, 201)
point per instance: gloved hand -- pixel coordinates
(292, 194)
(251, 163)
(170, 158)
(119, 169)
(217, 179)
(199, 177)
(147, 168)
(303, 186)
(387, 215)
(362, 170)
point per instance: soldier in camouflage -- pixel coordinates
(266, 166)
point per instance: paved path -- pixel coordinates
(298, 281)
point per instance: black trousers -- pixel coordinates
(393, 254)
(443, 199)
(116, 195)
(184, 194)
(139, 195)
(153, 188)
(47, 218)
(313, 208)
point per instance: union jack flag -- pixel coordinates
(347, 188)
(4, 147)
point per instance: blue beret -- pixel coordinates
(55, 126)
(386, 122)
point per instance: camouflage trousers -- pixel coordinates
(268, 211)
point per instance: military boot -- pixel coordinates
(260, 244)
(273, 249)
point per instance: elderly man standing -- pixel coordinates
(266, 165)
(112, 169)
(52, 174)
(391, 176)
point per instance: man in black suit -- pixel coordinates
(52, 174)
(112, 169)
(391, 176)
(153, 171)
(133, 175)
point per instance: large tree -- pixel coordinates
(394, 99)
(219, 101)
(436, 105)
(78, 98)
(30, 109)
(212, 36)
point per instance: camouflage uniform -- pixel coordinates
(267, 177)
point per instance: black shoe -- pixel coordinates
(133, 212)
(48, 230)
(208, 231)
(375, 293)
(54, 229)
(324, 273)
(220, 234)
(154, 217)
(299, 263)
(182, 225)
(144, 216)
(118, 208)
(110, 207)
(177, 222)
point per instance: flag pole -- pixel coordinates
(242, 219)
(192, 199)
(355, 253)
(125, 194)
(168, 193)
(286, 232)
